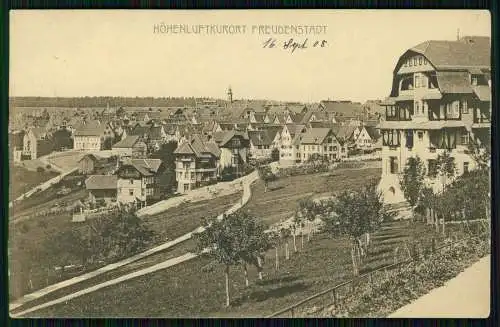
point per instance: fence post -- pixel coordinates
(293, 312)
(334, 294)
(370, 279)
(386, 274)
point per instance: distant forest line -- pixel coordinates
(83, 102)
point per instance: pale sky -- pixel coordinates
(116, 53)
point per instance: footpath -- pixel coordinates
(465, 296)
(247, 181)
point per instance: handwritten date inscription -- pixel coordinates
(292, 45)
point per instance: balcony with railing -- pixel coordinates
(395, 113)
(444, 113)
(442, 140)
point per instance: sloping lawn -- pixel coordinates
(280, 201)
(66, 160)
(28, 238)
(186, 217)
(192, 289)
(21, 180)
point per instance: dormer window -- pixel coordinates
(420, 60)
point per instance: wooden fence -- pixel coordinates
(334, 295)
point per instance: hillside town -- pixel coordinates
(212, 207)
(211, 137)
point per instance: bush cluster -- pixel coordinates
(303, 170)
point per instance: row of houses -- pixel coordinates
(120, 129)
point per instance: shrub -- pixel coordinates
(40, 170)
(25, 228)
(48, 167)
(42, 224)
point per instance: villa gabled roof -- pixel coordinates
(454, 82)
(127, 142)
(101, 182)
(146, 167)
(469, 51)
(315, 135)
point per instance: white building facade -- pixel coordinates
(440, 101)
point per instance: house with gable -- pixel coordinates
(260, 144)
(36, 143)
(139, 181)
(320, 143)
(366, 137)
(289, 143)
(131, 146)
(93, 136)
(102, 187)
(196, 163)
(234, 146)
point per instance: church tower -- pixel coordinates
(230, 94)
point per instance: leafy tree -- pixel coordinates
(285, 234)
(62, 139)
(480, 154)
(446, 166)
(166, 154)
(308, 209)
(120, 112)
(356, 214)
(298, 225)
(255, 242)
(67, 248)
(237, 239)
(266, 175)
(108, 143)
(117, 235)
(412, 180)
(468, 196)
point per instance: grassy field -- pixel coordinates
(189, 290)
(28, 239)
(280, 201)
(21, 180)
(186, 217)
(66, 160)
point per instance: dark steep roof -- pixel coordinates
(315, 135)
(101, 182)
(127, 142)
(454, 82)
(147, 167)
(260, 137)
(469, 51)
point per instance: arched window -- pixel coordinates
(392, 190)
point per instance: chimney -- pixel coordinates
(458, 34)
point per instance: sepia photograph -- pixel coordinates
(249, 163)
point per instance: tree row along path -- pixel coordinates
(154, 268)
(247, 181)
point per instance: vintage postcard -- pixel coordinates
(307, 163)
